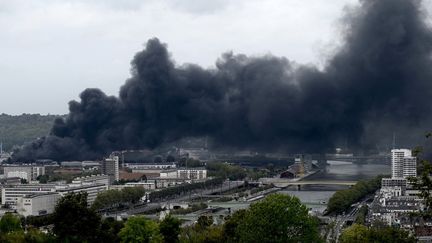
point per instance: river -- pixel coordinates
(316, 197)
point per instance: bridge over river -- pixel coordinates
(282, 182)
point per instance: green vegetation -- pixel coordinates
(184, 189)
(236, 172)
(225, 170)
(170, 229)
(140, 230)
(115, 198)
(342, 200)
(362, 234)
(278, 218)
(361, 215)
(17, 130)
(74, 221)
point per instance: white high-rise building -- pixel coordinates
(403, 164)
(409, 167)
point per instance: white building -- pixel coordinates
(151, 166)
(186, 174)
(13, 193)
(93, 179)
(403, 164)
(27, 172)
(409, 167)
(37, 204)
(146, 185)
(110, 167)
(91, 190)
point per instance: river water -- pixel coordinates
(316, 197)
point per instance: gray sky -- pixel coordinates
(51, 50)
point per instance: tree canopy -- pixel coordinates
(140, 230)
(74, 221)
(277, 218)
(362, 234)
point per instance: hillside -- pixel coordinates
(20, 129)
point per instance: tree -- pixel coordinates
(170, 229)
(140, 230)
(110, 228)
(231, 224)
(36, 236)
(204, 222)
(355, 233)
(423, 183)
(278, 218)
(362, 234)
(10, 223)
(74, 221)
(43, 179)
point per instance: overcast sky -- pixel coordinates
(51, 50)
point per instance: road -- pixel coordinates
(341, 220)
(226, 186)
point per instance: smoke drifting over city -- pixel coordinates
(381, 77)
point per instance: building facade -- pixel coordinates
(409, 167)
(402, 163)
(13, 193)
(93, 179)
(110, 167)
(91, 190)
(37, 204)
(185, 174)
(27, 172)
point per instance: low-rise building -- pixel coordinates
(11, 194)
(186, 174)
(148, 166)
(91, 190)
(37, 204)
(93, 179)
(146, 185)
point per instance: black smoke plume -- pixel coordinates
(379, 80)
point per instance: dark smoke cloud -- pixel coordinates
(379, 78)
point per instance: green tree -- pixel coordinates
(10, 223)
(169, 228)
(110, 228)
(74, 221)
(355, 233)
(36, 236)
(278, 218)
(140, 230)
(362, 234)
(423, 183)
(231, 224)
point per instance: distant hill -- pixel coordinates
(20, 129)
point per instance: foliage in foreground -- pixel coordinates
(342, 200)
(362, 234)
